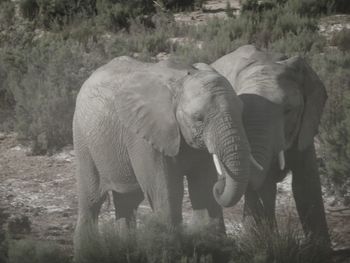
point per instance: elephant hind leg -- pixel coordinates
(126, 205)
(90, 200)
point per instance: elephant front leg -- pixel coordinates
(161, 181)
(126, 205)
(253, 207)
(307, 193)
(200, 187)
(261, 204)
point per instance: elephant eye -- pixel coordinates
(287, 111)
(198, 117)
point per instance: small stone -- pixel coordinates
(2, 136)
(10, 196)
(53, 228)
(65, 214)
(346, 201)
(67, 227)
(332, 201)
(162, 56)
(19, 224)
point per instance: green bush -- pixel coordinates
(180, 4)
(29, 9)
(334, 69)
(49, 12)
(7, 13)
(341, 39)
(155, 242)
(114, 15)
(260, 243)
(29, 251)
(341, 6)
(44, 81)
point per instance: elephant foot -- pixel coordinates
(125, 228)
(201, 221)
(87, 245)
(200, 218)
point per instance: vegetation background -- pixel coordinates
(49, 47)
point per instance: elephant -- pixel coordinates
(139, 127)
(283, 101)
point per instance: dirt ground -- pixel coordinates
(38, 193)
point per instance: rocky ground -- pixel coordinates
(38, 194)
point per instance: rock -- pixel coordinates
(19, 224)
(185, 41)
(332, 201)
(162, 56)
(220, 5)
(53, 228)
(346, 201)
(2, 136)
(65, 214)
(67, 227)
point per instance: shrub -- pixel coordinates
(333, 68)
(310, 7)
(341, 39)
(29, 9)
(29, 251)
(44, 81)
(341, 6)
(61, 12)
(7, 13)
(179, 4)
(260, 243)
(114, 15)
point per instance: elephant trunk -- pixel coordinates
(230, 150)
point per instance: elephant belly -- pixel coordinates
(112, 161)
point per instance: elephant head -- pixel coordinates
(199, 108)
(283, 101)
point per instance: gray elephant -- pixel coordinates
(283, 102)
(140, 127)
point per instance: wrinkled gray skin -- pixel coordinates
(140, 127)
(283, 102)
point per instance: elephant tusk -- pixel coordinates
(281, 160)
(256, 164)
(217, 164)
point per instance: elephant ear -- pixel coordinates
(204, 67)
(145, 106)
(315, 97)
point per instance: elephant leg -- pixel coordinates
(160, 179)
(261, 204)
(126, 205)
(253, 207)
(307, 193)
(200, 187)
(90, 200)
(267, 194)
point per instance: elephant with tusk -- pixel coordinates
(140, 127)
(283, 100)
